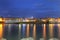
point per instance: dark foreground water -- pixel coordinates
(12, 32)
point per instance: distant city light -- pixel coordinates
(32, 17)
(0, 19)
(25, 27)
(44, 20)
(51, 20)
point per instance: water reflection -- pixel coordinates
(19, 33)
(51, 26)
(33, 32)
(44, 31)
(27, 29)
(59, 31)
(1, 31)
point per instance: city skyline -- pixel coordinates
(29, 19)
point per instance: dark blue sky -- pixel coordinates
(28, 8)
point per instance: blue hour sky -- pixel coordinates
(28, 8)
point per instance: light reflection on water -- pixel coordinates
(13, 32)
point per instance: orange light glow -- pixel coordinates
(27, 30)
(1, 29)
(44, 31)
(34, 32)
(58, 19)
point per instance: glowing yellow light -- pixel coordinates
(1, 29)
(51, 19)
(27, 20)
(44, 20)
(0, 19)
(51, 30)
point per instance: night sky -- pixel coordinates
(28, 8)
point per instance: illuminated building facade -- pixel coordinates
(27, 27)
